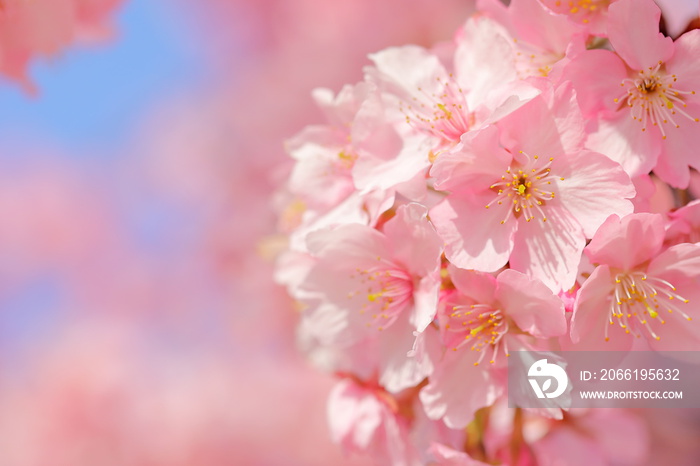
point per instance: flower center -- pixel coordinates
(526, 189)
(443, 114)
(653, 99)
(639, 298)
(382, 293)
(477, 325)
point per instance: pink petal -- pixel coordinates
(627, 242)
(495, 9)
(425, 300)
(549, 251)
(389, 153)
(457, 389)
(596, 76)
(593, 188)
(317, 179)
(473, 235)
(406, 70)
(592, 314)
(680, 148)
(341, 108)
(684, 63)
(567, 117)
(478, 161)
(532, 129)
(531, 305)
(398, 370)
(354, 415)
(595, 21)
(621, 139)
(537, 26)
(481, 287)
(633, 30)
(678, 264)
(355, 209)
(349, 243)
(677, 334)
(413, 239)
(483, 56)
(330, 325)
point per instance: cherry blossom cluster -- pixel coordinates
(525, 186)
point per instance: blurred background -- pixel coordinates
(139, 324)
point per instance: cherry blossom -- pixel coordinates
(481, 320)
(524, 191)
(514, 188)
(637, 289)
(642, 97)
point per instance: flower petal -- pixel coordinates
(481, 287)
(642, 45)
(592, 315)
(627, 242)
(477, 161)
(457, 389)
(531, 305)
(398, 370)
(596, 76)
(473, 235)
(680, 149)
(549, 251)
(483, 56)
(413, 239)
(593, 188)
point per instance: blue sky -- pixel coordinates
(92, 96)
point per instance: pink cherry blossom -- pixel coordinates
(382, 286)
(481, 320)
(322, 178)
(642, 97)
(425, 105)
(321, 191)
(375, 275)
(638, 290)
(529, 166)
(456, 232)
